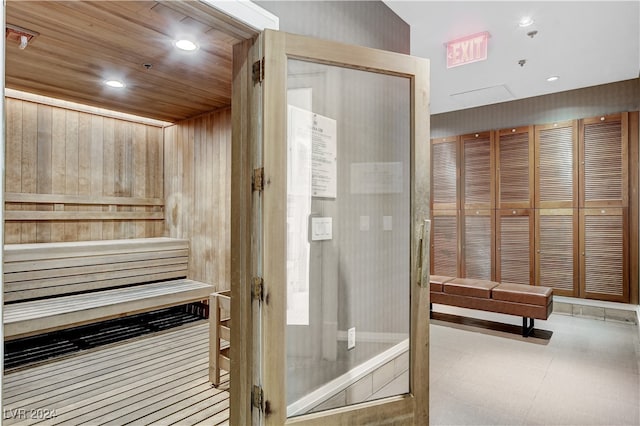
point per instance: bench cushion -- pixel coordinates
(470, 287)
(522, 293)
(31, 317)
(437, 281)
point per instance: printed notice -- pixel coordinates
(324, 157)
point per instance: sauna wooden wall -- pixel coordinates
(546, 205)
(73, 176)
(197, 193)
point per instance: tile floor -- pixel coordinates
(588, 373)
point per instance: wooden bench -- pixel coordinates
(526, 301)
(52, 286)
(219, 334)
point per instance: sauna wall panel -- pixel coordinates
(197, 187)
(76, 176)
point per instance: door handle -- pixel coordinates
(423, 261)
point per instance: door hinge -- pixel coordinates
(257, 71)
(257, 397)
(257, 288)
(257, 181)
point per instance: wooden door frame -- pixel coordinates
(271, 202)
(3, 132)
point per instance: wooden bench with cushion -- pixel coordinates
(51, 286)
(526, 301)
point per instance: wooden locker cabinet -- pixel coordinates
(514, 168)
(556, 172)
(561, 209)
(603, 199)
(604, 167)
(477, 165)
(445, 259)
(445, 205)
(478, 244)
(477, 221)
(444, 172)
(515, 246)
(556, 202)
(604, 259)
(557, 247)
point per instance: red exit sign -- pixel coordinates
(467, 49)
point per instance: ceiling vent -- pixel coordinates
(20, 36)
(484, 96)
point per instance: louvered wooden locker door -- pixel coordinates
(514, 246)
(477, 165)
(556, 173)
(557, 250)
(604, 161)
(444, 243)
(514, 168)
(478, 244)
(604, 254)
(444, 173)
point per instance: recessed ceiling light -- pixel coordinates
(115, 83)
(526, 21)
(553, 78)
(187, 45)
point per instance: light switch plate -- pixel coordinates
(321, 228)
(351, 338)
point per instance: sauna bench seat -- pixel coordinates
(51, 286)
(526, 301)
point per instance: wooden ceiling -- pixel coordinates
(83, 43)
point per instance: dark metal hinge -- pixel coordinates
(257, 397)
(257, 71)
(257, 181)
(257, 288)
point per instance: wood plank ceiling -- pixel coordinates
(83, 43)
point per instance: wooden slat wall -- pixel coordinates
(514, 166)
(57, 151)
(556, 148)
(478, 244)
(198, 197)
(557, 250)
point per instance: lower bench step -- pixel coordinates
(35, 349)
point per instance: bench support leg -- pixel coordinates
(527, 328)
